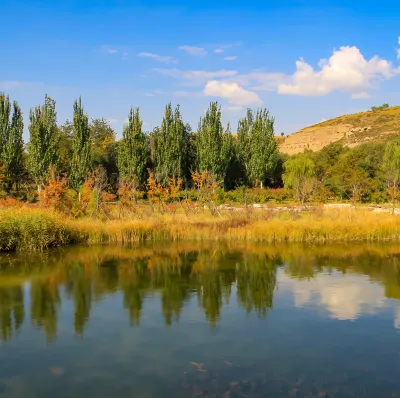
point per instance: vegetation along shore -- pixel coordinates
(76, 183)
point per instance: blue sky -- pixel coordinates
(304, 60)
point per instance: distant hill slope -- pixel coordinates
(352, 130)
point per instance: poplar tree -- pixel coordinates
(209, 141)
(257, 146)
(243, 142)
(11, 143)
(14, 148)
(81, 145)
(5, 112)
(132, 151)
(170, 144)
(43, 148)
(227, 155)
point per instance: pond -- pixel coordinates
(201, 320)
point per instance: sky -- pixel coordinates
(304, 60)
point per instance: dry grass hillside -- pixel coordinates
(352, 130)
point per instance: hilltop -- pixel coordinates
(355, 129)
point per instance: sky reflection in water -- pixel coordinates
(201, 320)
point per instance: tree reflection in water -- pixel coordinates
(175, 274)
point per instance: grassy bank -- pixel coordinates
(34, 229)
(31, 229)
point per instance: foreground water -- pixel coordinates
(198, 320)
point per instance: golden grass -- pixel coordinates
(331, 225)
(33, 229)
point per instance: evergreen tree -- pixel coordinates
(81, 145)
(133, 150)
(209, 142)
(257, 146)
(14, 148)
(170, 145)
(43, 147)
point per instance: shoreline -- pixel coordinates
(38, 229)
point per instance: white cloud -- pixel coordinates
(346, 70)
(112, 51)
(194, 51)
(230, 58)
(262, 81)
(362, 95)
(159, 58)
(195, 77)
(235, 94)
(113, 121)
(233, 108)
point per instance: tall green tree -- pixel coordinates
(133, 150)
(5, 113)
(65, 146)
(210, 142)
(81, 144)
(228, 157)
(43, 147)
(244, 130)
(11, 142)
(170, 146)
(14, 148)
(257, 146)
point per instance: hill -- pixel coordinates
(352, 130)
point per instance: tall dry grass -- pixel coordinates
(29, 229)
(33, 229)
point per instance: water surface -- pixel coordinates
(201, 320)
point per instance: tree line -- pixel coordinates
(250, 158)
(172, 150)
(368, 173)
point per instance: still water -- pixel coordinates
(197, 320)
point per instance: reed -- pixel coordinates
(34, 229)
